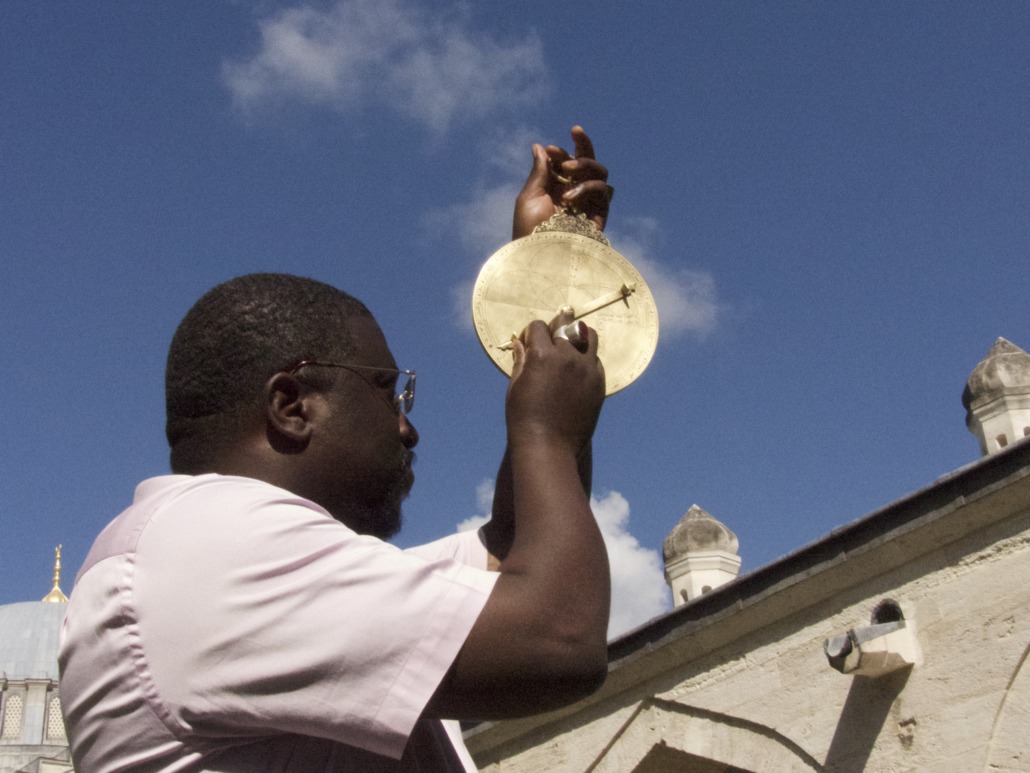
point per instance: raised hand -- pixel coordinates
(559, 181)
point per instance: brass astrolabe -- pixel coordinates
(567, 264)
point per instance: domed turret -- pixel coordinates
(997, 397)
(700, 554)
(31, 726)
(698, 531)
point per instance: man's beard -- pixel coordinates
(382, 520)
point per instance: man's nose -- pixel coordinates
(409, 435)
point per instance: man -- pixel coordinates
(244, 614)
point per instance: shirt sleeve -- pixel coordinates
(466, 547)
(281, 619)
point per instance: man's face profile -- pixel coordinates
(361, 450)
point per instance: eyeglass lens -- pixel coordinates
(405, 398)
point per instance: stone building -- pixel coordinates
(32, 738)
(896, 642)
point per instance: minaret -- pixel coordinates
(700, 554)
(997, 397)
(55, 595)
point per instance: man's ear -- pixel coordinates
(288, 413)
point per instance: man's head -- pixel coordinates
(235, 407)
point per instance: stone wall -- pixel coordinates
(747, 686)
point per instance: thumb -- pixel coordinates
(518, 351)
(540, 174)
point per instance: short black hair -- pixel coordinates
(237, 336)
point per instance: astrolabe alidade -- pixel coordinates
(566, 264)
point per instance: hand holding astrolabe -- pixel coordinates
(561, 264)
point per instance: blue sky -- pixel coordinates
(830, 201)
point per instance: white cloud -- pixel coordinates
(639, 591)
(507, 150)
(461, 304)
(482, 225)
(484, 503)
(472, 523)
(687, 299)
(432, 67)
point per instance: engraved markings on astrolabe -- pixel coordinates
(545, 274)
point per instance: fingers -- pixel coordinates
(536, 335)
(581, 336)
(588, 191)
(536, 201)
(583, 166)
(592, 344)
(557, 156)
(580, 169)
(540, 175)
(519, 353)
(584, 147)
(556, 389)
(561, 319)
(592, 198)
(559, 181)
(564, 327)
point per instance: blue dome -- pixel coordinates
(29, 634)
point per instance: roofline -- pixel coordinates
(762, 596)
(924, 505)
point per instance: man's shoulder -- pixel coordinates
(207, 505)
(193, 496)
(164, 489)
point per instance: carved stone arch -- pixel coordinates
(1007, 749)
(663, 736)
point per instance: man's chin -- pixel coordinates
(382, 522)
(385, 531)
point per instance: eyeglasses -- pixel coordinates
(402, 401)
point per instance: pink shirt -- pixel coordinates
(223, 624)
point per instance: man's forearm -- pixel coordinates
(550, 604)
(500, 529)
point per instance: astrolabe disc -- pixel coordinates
(538, 275)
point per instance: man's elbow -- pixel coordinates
(590, 676)
(580, 669)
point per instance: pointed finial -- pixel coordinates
(55, 595)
